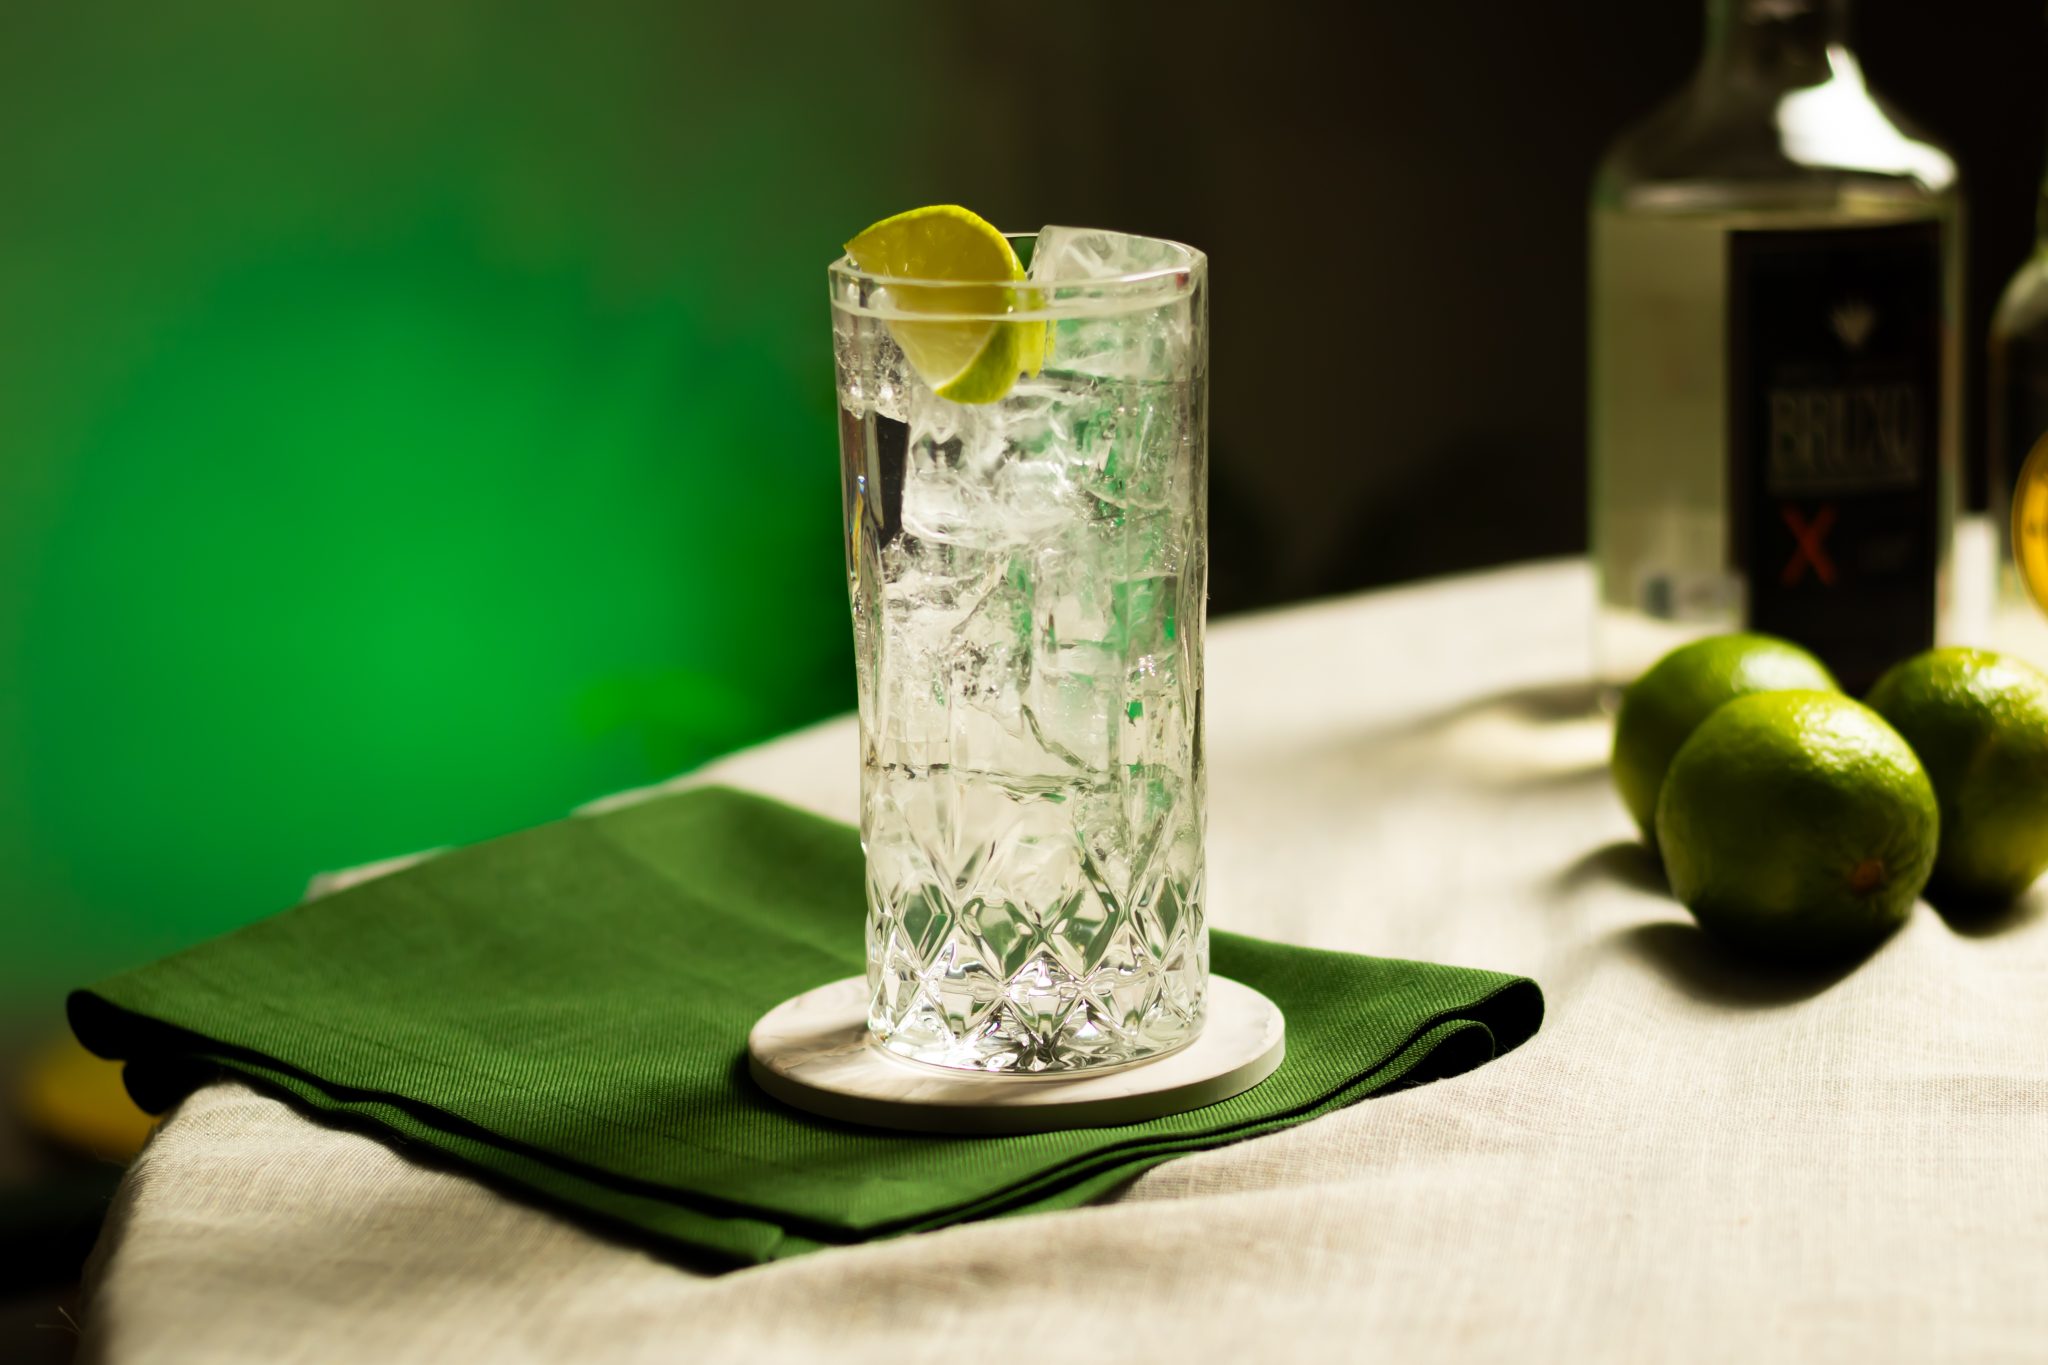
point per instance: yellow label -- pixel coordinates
(2030, 523)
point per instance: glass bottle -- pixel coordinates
(1774, 368)
(2018, 466)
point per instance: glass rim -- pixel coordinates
(852, 287)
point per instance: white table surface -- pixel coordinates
(1689, 1162)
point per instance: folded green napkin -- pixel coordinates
(565, 1012)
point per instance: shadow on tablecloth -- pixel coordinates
(1700, 966)
(1988, 921)
(1625, 862)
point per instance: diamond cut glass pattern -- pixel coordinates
(1028, 583)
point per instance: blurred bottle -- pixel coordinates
(1775, 272)
(2018, 466)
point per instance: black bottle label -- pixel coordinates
(1834, 434)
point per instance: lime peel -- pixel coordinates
(1797, 826)
(1979, 722)
(1686, 686)
(969, 266)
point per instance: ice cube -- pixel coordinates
(1125, 330)
(1064, 254)
(989, 651)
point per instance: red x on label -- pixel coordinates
(1809, 549)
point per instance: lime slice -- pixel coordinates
(968, 361)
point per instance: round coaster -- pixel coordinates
(812, 1052)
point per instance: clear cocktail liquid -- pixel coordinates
(1028, 582)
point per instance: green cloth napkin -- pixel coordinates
(565, 1012)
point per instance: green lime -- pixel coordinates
(1979, 722)
(1685, 687)
(966, 263)
(1797, 825)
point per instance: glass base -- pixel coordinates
(1086, 1046)
(1044, 1020)
(918, 1064)
(813, 1052)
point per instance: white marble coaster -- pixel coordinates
(812, 1052)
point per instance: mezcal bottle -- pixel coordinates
(1774, 368)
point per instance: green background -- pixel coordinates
(416, 418)
(412, 427)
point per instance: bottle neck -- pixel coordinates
(1782, 43)
(2041, 217)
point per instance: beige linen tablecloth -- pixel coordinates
(1687, 1164)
